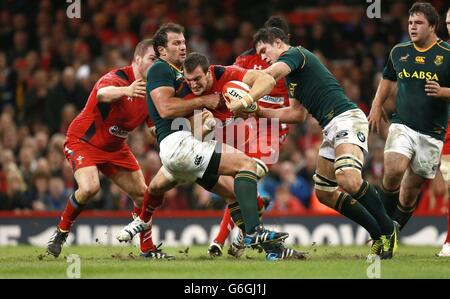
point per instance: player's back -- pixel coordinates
(312, 84)
(106, 125)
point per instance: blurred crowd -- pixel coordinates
(49, 63)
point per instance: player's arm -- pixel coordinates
(278, 70)
(162, 92)
(261, 84)
(384, 90)
(110, 94)
(293, 114)
(434, 89)
(169, 106)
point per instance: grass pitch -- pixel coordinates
(124, 262)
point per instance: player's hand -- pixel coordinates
(433, 89)
(136, 89)
(244, 115)
(376, 114)
(233, 106)
(206, 114)
(211, 101)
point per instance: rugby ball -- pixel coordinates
(236, 90)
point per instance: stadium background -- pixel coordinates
(49, 63)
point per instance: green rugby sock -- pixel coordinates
(355, 211)
(236, 215)
(368, 197)
(389, 199)
(402, 214)
(245, 183)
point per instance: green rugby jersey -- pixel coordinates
(410, 67)
(162, 73)
(311, 83)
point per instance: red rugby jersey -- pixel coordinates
(106, 125)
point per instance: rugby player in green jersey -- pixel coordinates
(420, 71)
(186, 159)
(345, 131)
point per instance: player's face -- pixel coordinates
(447, 22)
(419, 29)
(146, 62)
(175, 51)
(197, 81)
(268, 52)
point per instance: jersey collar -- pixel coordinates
(175, 67)
(425, 49)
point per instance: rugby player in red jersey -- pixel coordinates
(204, 79)
(186, 158)
(277, 98)
(96, 141)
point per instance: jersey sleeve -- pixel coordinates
(389, 71)
(111, 80)
(160, 75)
(294, 58)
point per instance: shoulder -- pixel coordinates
(247, 58)
(160, 70)
(401, 46)
(160, 65)
(233, 72)
(217, 70)
(115, 77)
(295, 57)
(124, 73)
(298, 51)
(444, 46)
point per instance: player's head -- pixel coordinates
(169, 43)
(197, 73)
(279, 22)
(144, 56)
(270, 43)
(447, 20)
(422, 22)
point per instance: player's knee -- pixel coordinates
(88, 190)
(350, 181)
(261, 168)
(246, 164)
(348, 172)
(392, 177)
(155, 188)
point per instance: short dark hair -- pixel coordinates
(160, 37)
(142, 47)
(279, 22)
(269, 35)
(193, 60)
(427, 10)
